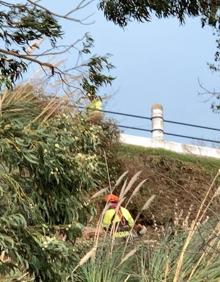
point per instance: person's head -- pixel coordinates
(111, 199)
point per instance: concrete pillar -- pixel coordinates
(157, 122)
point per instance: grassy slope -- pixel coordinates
(209, 164)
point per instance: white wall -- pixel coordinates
(172, 146)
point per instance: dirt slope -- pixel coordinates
(172, 178)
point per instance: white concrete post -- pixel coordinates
(157, 122)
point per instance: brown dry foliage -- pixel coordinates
(170, 180)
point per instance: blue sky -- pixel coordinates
(156, 62)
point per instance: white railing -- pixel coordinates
(157, 138)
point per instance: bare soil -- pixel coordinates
(179, 184)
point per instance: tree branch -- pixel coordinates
(80, 6)
(65, 50)
(66, 16)
(28, 58)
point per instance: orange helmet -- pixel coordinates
(111, 198)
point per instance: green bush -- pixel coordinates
(50, 161)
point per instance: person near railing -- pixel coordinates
(94, 109)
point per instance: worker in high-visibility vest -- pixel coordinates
(116, 217)
(95, 109)
(96, 104)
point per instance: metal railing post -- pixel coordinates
(157, 122)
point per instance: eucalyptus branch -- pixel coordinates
(67, 48)
(80, 6)
(28, 58)
(66, 16)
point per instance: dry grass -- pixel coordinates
(109, 238)
(194, 227)
(28, 100)
(190, 252)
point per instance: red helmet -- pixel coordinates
(111, 198)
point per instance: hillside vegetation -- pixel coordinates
(53, 161)
(181, 242)
(50, 160)
(178, 181)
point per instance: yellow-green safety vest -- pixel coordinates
(111, 218)
(95, 105)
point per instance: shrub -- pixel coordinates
(50, 161)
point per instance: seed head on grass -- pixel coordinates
(148, 203)
(131, 183)
(130, 254)
(100, 193)
(122, 192)
(126, 279)
(136, 190)
(90, 254)
(217, 192)
(120, 179)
